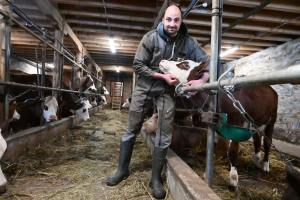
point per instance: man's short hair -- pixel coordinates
(173, 4)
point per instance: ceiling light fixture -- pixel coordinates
(117, 69)
(229, 51)
(112, 45)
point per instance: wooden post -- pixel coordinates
(5, 32)
(79, 72)
(57, 60)
(58, 68)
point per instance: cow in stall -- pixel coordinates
(31, 113)
(84, 84)
(260, 102)
(12, 116)
(188, 138)
(127, 102)
(71, 103)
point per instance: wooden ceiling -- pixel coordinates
(275, 23)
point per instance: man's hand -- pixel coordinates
(171, 79)
(203, 79)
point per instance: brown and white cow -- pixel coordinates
(84, 84)
(188, 138)
(260, 102)
(31, 113)
(71, 101)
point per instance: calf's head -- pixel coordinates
(50, 109)
(186, 70)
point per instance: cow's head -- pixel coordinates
(93, 100)
(82, 109)
(186, 70)
(50, 109)
(102, 100)
(127, 102)
(88, 85)
(12, 113)
(105, 91)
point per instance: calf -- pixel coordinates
(31, 113)
(260, 102)
(185, 137)
(84, 84)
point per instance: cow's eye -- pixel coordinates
(46, 108)
(90, 89)
(84, 110)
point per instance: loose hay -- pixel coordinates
(253, 182)
(77, 164)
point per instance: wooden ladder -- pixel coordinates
(117, 95)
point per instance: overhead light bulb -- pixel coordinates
(112, 45)
(229, 51)
(117, 69)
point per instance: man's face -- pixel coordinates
(172, 21)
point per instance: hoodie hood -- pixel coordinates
(182, 33)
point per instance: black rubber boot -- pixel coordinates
(122, 173)
(159, 159)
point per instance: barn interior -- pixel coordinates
(74, 38)
(87, 26)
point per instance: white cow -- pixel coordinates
(126, 104)
(83, 112)
(50, 109)
(105, 91)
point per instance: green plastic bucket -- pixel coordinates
(234, 132)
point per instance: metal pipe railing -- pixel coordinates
(35, 87)
(42, 40)
(291, 75)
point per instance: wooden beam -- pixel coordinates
(47, 9)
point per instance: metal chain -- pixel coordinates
(14, 98)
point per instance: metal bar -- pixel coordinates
(7, 61)
(13, 84)
(189, 8)
(291, 75)
(209, 169)
(39, 38)
(255, 10)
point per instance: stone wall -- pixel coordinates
(283, 56)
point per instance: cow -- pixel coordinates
(103, 91)
(84, 84)
(188, 138)
(127, 102)
(260, 102)
(293, 177)
(31, 113)
(12, 115)
(69, 101)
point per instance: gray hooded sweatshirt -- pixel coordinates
(156, 46)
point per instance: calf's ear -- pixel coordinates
(201, 68)
(62, 103)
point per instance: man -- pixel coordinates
(170, 40)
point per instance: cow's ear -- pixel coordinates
(202, 67)
(62, 103)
